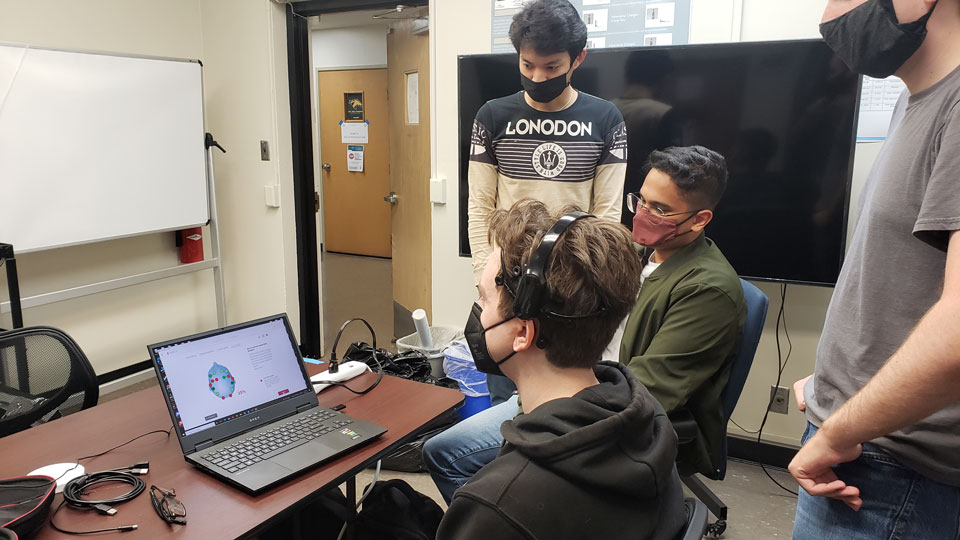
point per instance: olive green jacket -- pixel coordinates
(680, 341)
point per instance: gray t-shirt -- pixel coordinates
(894, 269)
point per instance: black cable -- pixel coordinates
(76, 489)
(167, 431)
(745, 430)
(364, 391)
(74, 495)
(334, 365)
(782, 364)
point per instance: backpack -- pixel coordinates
(395, 511)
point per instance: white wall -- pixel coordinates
(353, 47)
(247, 100)
(242, 46)
(711, 21)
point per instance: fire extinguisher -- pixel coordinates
(190, 242)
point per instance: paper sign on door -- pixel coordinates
(354, 158)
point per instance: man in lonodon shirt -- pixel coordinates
(548, 142)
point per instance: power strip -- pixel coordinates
(347, 371)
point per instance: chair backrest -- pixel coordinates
(43, 375)
(697, 516)
(757, 304)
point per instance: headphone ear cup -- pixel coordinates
(530, 295)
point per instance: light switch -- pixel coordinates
(271, 195)
(438, 190)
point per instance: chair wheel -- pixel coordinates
(714, 530)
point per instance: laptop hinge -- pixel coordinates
(304, 407)
(204, 445)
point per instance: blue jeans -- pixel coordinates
(454, 456)
(501, 388)
(898, 503)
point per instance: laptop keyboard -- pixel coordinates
(251, 450)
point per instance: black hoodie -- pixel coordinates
(597, 465)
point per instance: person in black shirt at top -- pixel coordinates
(548, 142)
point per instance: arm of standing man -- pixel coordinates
(922, 377)
(608, 183)
(482, 178)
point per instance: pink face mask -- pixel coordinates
(652, 231)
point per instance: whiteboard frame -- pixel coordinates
(215, 261)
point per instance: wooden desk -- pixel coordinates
(214, 509)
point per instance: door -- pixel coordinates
(408, 61)
(356, 219)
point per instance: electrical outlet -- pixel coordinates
(779, 399)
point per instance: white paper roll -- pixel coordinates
(423, 328)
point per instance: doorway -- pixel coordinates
(375, 240)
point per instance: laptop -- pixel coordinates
(243, 406)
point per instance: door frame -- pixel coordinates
(301, 138)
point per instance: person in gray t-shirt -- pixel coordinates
(888, 364)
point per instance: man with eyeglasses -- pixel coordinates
(682, 335)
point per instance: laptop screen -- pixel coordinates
(214, 379)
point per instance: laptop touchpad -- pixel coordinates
(304, 455)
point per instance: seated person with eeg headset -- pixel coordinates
(592, 453)
(682, 332)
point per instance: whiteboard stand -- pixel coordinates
(94, 288)
(209, 142)
(13, 284)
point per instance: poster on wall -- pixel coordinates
(353, 106)
(610, 23)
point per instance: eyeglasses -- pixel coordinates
(635, 201)
(168, 507)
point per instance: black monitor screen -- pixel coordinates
(782, 113)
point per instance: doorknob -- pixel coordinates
(325, 167)
(391, 198)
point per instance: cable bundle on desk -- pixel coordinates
(411, 365)
(75, 491)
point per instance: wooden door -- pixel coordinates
(356, 219)
(408, 61)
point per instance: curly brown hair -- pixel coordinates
(593, 267)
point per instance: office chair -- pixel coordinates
(43, 375)
(696, 524)
(757, 304)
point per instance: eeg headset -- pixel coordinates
(531, 294)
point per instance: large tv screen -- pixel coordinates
(782, 113)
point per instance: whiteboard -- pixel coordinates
(95, 146)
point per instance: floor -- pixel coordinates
(362, 287)
(355, 286)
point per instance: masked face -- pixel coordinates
(476, 337)
(653, 231)
(871, 41)
(544, 91)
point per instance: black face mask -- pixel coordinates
(871, 41)
(477, 341)
(544, 91)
